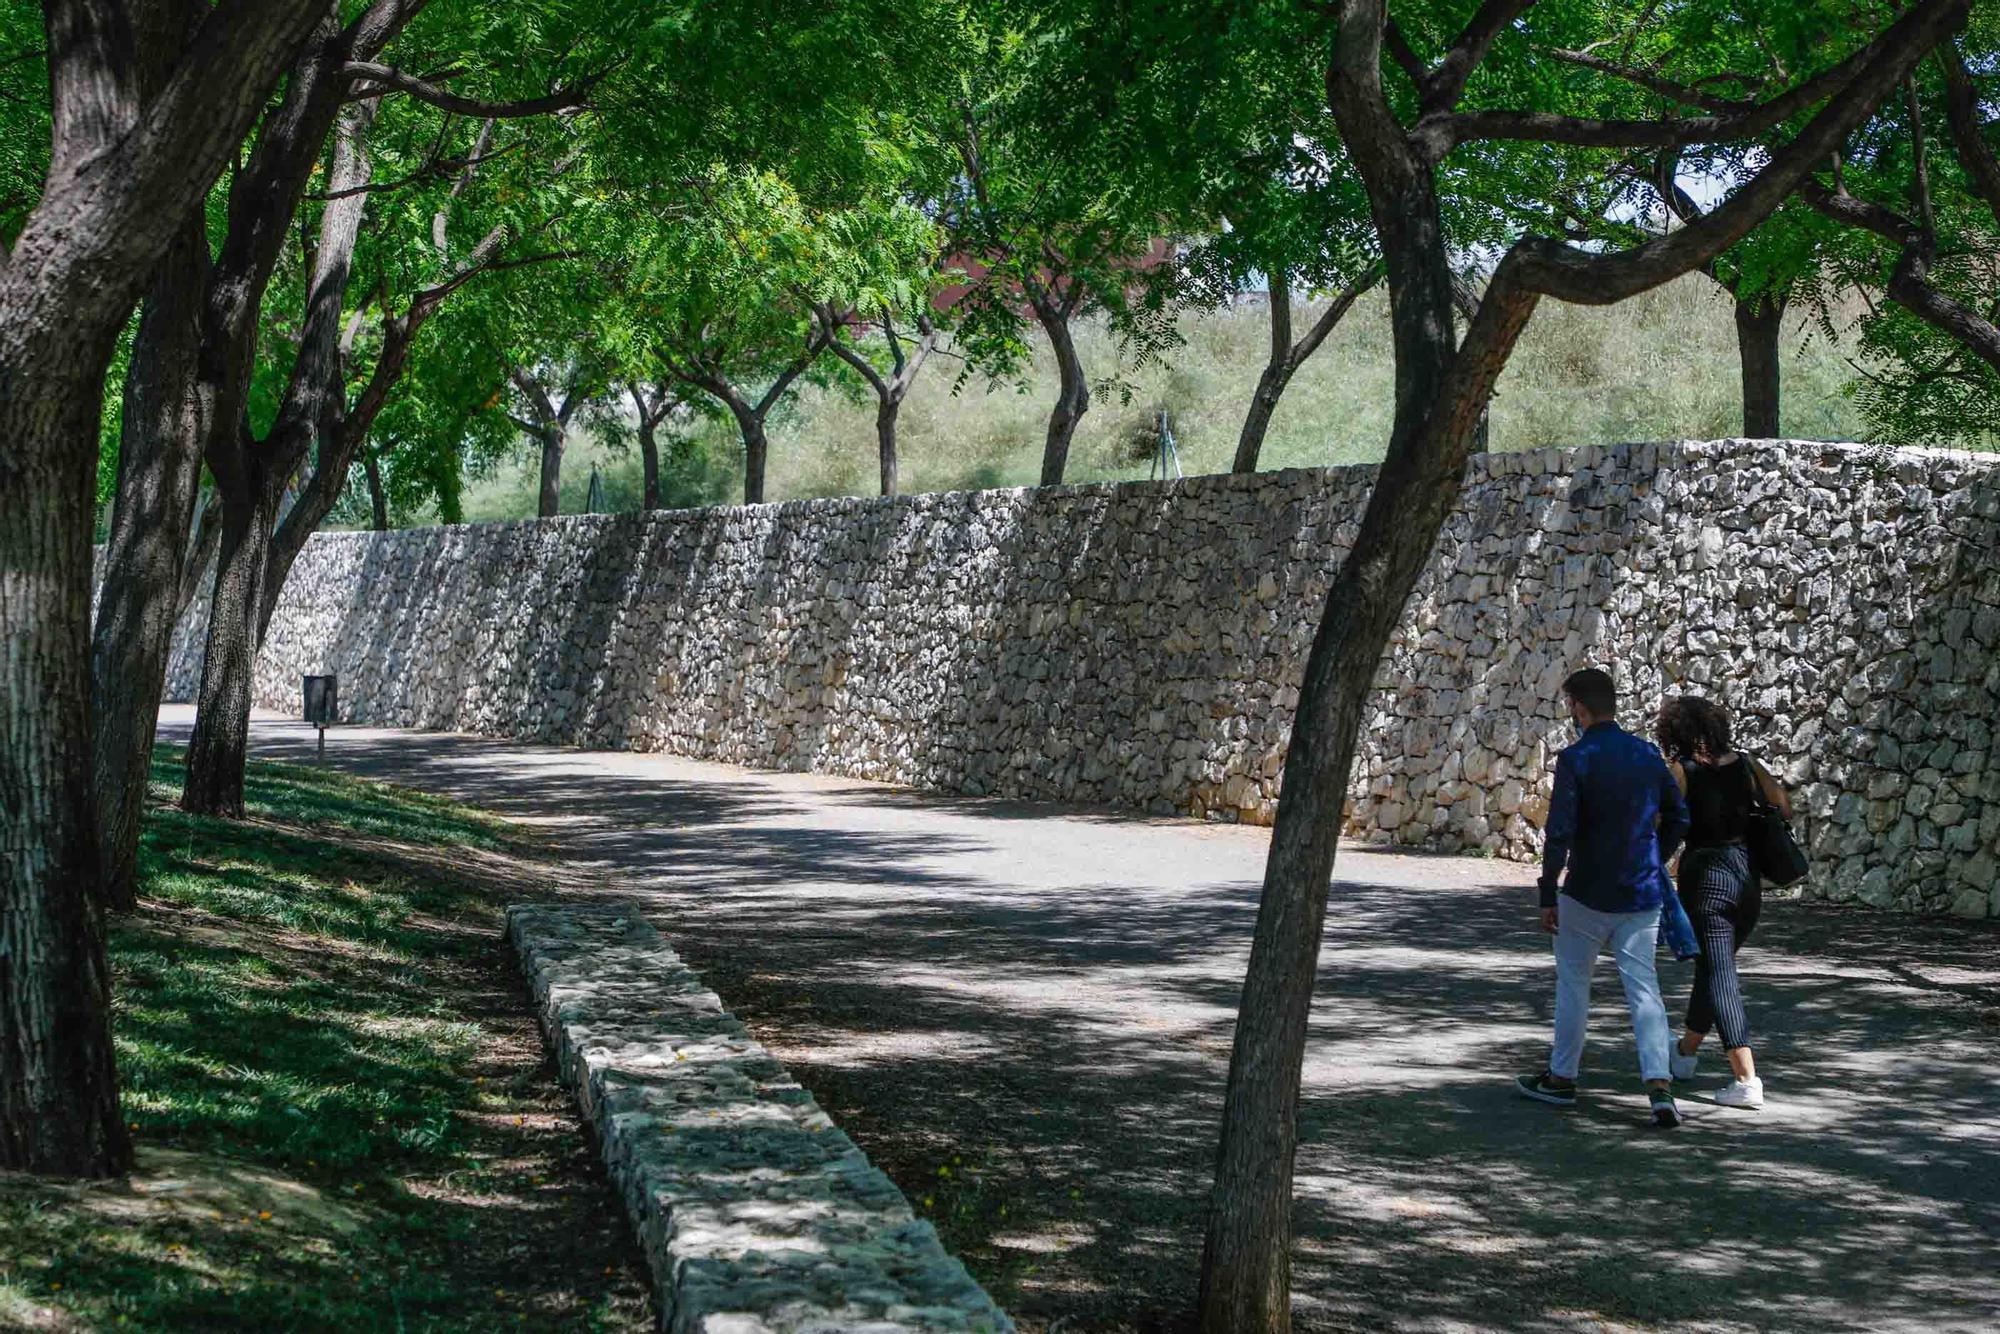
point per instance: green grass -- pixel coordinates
(338, 1099)
(1659, 367)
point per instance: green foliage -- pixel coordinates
(1054, 202)
(1915, 382)
(24, 115)
(736, 164)
(1919, 385)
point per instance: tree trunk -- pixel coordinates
(1246, 1277)
(1760, 322)
(649, 459)
(1072, 394)
(378, 499)
(1276, 375)
(58, 1085)
(554, 440)
(887, 410)
(159, 468)
(1270, 387)
(201, 548)
(756, 445)
(114, 197)
(220, 745)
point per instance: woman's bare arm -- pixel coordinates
(1774, 792)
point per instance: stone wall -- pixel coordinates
(1140, 645)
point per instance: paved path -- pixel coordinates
(1023, 1014)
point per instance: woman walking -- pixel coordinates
(1717, 885)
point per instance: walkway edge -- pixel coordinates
(755, 1212)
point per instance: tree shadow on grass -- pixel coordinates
(343, 1112)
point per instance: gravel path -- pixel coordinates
(1023, 1014)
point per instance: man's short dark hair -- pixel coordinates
(1594, 691)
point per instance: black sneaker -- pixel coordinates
(1544, 1088)
(1666, 1112)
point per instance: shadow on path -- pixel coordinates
(1024, 1016)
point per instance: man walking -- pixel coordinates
(1615, 818)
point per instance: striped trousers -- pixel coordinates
(1723, 898)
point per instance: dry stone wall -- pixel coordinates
(1140, 645)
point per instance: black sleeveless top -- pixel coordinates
(1719, 798)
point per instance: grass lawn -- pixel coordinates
(343, 1115)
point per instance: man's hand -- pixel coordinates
(1549, 920)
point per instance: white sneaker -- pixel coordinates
(1682, 1067)
(1741, 1093)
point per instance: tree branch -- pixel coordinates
(1445, 85)
(1653, 81)
(1968, 139)
(1333, 315)
(93, 72)
(374, 26)
(1555, 269)
(815, 344)
(1842, 207)
(1920, 168)
(1438, 133)
(376, 79)
(538, 398)
(435, 167)
(849, 354)
(1405, 56)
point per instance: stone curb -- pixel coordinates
(754, 1211)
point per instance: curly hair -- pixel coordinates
(1691, 727)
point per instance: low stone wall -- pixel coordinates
(1140, 645)
(754, 1211)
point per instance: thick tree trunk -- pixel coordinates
(649, 460)
(886, 412)
(1072, 394)
(158, 470)
(1760, 323)
(378, 499)
(549, 503)
(58, 1086)
(220, 745)
(1246, 1278)
(115, 195)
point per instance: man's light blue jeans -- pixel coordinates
(1581, 933)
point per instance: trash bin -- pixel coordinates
(322, 700)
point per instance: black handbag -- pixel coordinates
(1775, 855)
